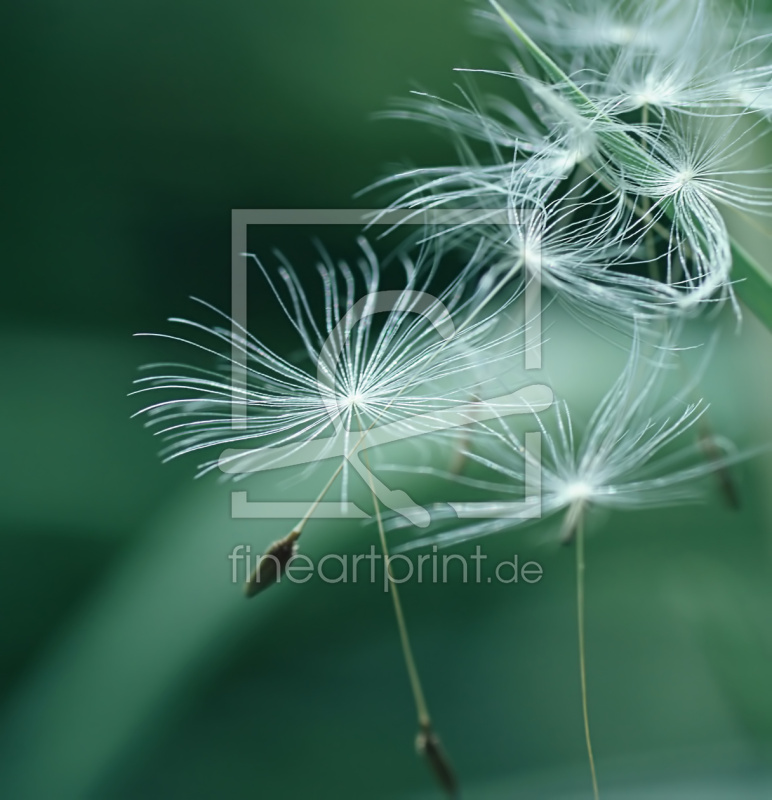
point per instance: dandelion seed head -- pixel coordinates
(655, 90)
(633, 453)
(355, 400)
(621, 34)
(655, 244)
(365, 364)
(683, 177)
(578, 490)
(532, 253)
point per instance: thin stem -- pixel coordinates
(427, 742)
(299, 527)
(582, 660)
(422, 710)
(651, 252)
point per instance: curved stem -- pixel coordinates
(422, 709)
(427, 741)
(651, 252)
(582, 660)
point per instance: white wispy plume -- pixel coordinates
(699, 166)
(370, 356)
(702, 78)
(652, 120)
(696, 56)
(634, 452)
(705, 159)
(582, 30)
(575, 245)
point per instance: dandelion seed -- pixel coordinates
(362, 375)
(696, 168)
(627, 457)
(387, 367)
(624, 459)
(673, 171)
(701, 59)
(581, 31)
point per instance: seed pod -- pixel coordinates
(428, 745)
(272, 563)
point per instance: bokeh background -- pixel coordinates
(131, 665)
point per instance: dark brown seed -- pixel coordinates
(271, 565)
(429, 746)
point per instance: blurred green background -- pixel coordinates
(131, 665)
